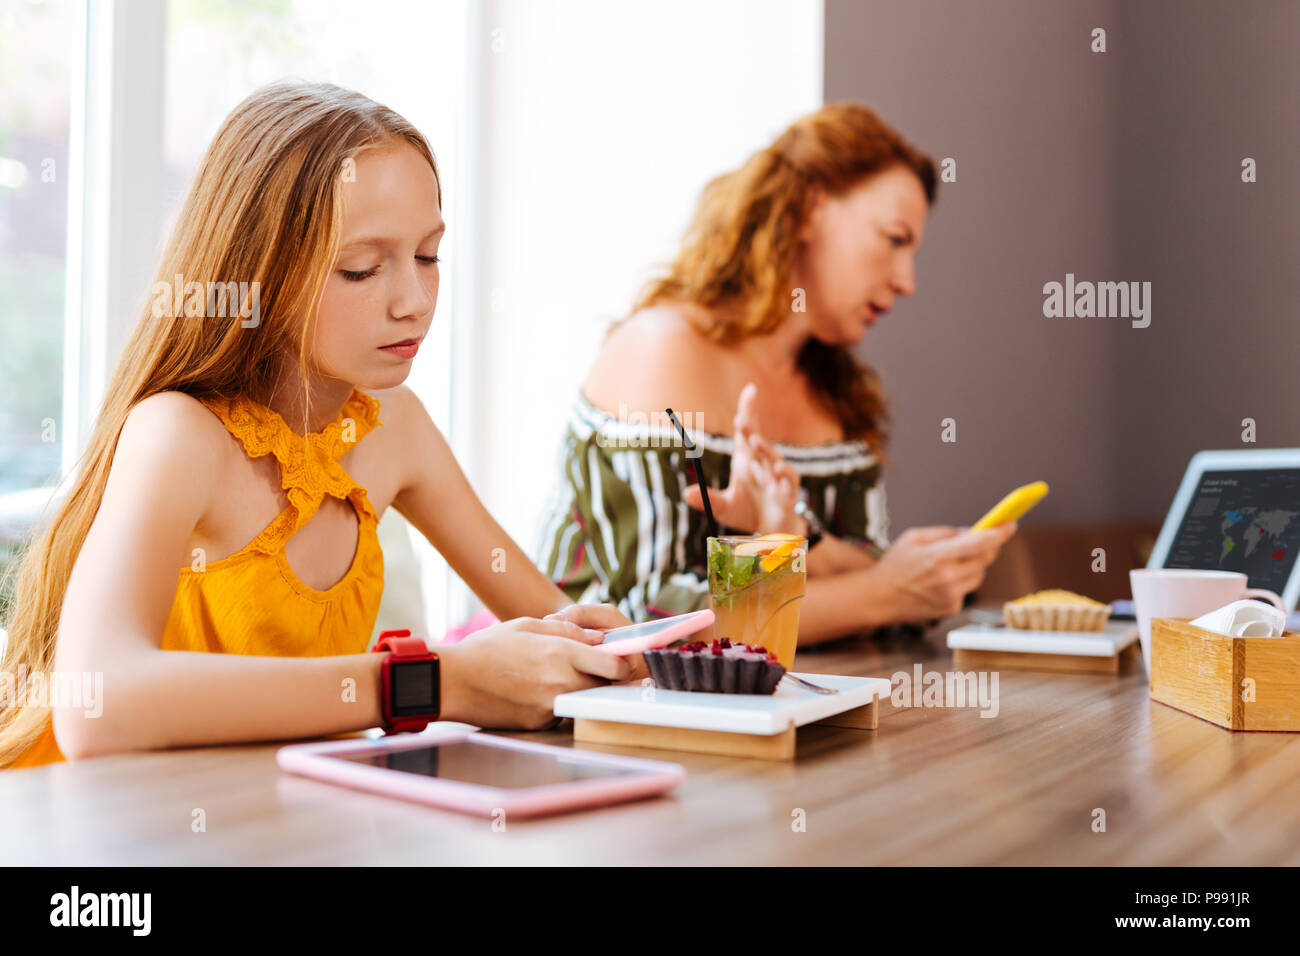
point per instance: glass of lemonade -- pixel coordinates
(756, 583)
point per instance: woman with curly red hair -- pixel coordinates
(788, 261)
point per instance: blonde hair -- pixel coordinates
(265, 207)
(743, 241)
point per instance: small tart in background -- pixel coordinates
(1055, 610)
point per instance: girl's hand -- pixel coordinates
(601, 617)
(763, 488)
(597, 616)
(931, 570)
(508, 675)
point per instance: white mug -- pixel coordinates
(1173, 592)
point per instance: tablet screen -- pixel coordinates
(1246, 520)
(467, 761)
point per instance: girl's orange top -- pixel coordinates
(251, 602)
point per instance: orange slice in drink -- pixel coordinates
(772, 557)
(778, 554)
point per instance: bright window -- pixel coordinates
(36, 41)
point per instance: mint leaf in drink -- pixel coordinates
(718, 565)
(742, 568)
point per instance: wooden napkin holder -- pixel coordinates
(1241, 683)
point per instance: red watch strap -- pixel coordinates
(400, 647)
(402, 644)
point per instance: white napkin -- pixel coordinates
(1244, 619)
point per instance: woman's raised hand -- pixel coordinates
(762, 489)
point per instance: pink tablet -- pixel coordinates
(635, 638)
(477, 773)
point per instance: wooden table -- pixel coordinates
(930, 786)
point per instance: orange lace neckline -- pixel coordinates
(309, 467)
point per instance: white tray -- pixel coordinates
(763, 714)
(1108, 642)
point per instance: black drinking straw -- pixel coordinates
(699, 473)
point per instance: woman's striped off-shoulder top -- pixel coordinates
(618, 530)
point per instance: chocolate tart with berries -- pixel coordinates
(719, 668)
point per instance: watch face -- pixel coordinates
(414, 688)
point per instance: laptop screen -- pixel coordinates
(1244, 520)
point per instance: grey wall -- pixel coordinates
(1116, 166)
(1199, 94)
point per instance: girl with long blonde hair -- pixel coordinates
(215, 560)
(789, 259)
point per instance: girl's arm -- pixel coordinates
(438, 500)
(120, 593)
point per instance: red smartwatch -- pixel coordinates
(411, 682)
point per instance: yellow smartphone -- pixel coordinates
(1013, 506)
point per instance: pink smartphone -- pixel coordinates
(477, 773)
(648, 635)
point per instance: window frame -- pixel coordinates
(115, 126)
